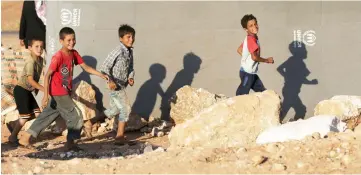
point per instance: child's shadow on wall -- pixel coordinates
(147, 94)
(191, 66)
(294, 72)
(85, 76)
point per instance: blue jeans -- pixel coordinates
(119, 104)
(248, 82)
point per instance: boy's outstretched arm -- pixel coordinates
(34, 84)
(239, 50)
(93, 71)
(45, 100)
(314, 81)
(257, 58)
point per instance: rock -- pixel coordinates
(160, 134)
(278, 167)
(154, 132)
(297, 148)
(258, 160)
(347, 108)
(300, 165)
(347, 160)
(69, 154)
(102, 129)
(345, 145)
(346, 136)
(146, 129)
(38, 169)
(148, 149)
(272, 148)
(28, 124)
(241, 150)
(84, 98)
(135, 122)
(159, 149)
(234, 122)
(62, 155)
(187, 102)
(332, 154)
(316, 136)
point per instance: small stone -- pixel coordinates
(30, 172)
(297, 148)
(62, 155)
(348, 131)
(331, 134)
(159, 149)
(316, 136)
(74, 161)
(154, 132)
(308, 138)
(332, 154)
(103, 124)
(300, 165)
(102, 129)
(10, 155)
(42, 162)
(345, 145)
(148, 148)
(160, 134)
(37, 169)
(257, 160)
(278, 167)
(14, 165)
(346, 159)
(272, 148)
(241, 150)
(69, 154)
(346, 137)
(145, 129)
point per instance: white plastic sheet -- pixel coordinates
(299, 129)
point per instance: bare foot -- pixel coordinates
(25, 139)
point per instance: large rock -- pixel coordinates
(236, 121)
(188, 102)
(84, 98)
(346, 108)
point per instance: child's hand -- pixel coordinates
(270, 60)
(131, 81)
(111, 85)
(44, 102)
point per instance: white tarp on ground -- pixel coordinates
(299, 129)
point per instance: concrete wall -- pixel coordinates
(168, 31)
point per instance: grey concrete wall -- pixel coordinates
(168, 31)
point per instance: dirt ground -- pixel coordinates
(339, 153)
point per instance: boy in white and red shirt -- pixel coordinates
(250, 51)
(61, 74)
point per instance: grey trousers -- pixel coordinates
(59, 106)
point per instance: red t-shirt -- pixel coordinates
(252, 44)
(62, 65)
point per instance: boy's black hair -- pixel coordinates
(247, 18)
(125, 29)
(65, 31)
(31, 41)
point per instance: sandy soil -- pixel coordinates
(339, 153)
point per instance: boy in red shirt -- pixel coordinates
(61, 73)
